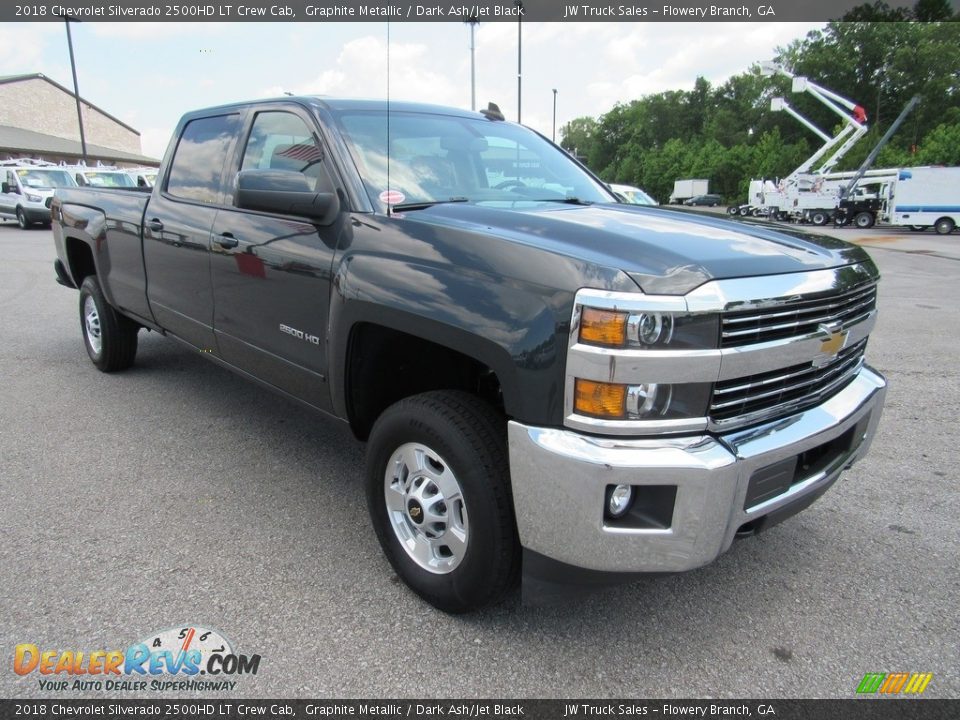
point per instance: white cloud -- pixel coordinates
(23, 46)
(153, 140)
(361, 71)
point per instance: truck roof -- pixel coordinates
(342, 104)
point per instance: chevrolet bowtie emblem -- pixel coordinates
(835, 341)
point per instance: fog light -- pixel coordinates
(619, 500)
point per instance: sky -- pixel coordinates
(149, 74)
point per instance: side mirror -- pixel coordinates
(4, 188)
(284, 192)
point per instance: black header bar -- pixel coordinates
(440, 11)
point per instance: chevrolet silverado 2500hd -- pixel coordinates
(550, 383)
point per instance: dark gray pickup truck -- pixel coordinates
(550, 383)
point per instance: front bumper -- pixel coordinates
(701, 490)
(36, 214)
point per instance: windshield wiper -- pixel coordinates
(566, 201)
(426, 203)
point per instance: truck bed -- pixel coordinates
(111, 221)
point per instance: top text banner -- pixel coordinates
(402, 11)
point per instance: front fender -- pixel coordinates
(517, 330)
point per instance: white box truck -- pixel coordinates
(922, 197)
(686, 189)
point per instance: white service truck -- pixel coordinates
(686, 189)
(922, 197)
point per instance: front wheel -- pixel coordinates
(863, 220)
(945, 226)
(110, 338)
(438, 492)
(22, 219)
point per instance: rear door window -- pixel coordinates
(197, 166)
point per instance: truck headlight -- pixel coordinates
(648, 329)
(643, 401)
(32, 198)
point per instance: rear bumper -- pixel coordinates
(693, 494)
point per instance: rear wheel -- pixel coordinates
(863, 220)
(438, 492)
(22, 219)
(820, 217)
(110, 338)
(945, 226)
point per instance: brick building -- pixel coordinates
(38, 118)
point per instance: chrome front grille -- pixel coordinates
(785, 390)
(799, 317)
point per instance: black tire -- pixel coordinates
(863, 220)
(819, 217)
(470, 436)
(944, 226)
(118, 334)
(733, 210)
(22, 219)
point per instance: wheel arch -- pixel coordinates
(466, 326)
(80, 260)
(391, 355)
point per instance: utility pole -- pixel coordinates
(67, 19)
(519, 5)
(554, 138)
(473, 22)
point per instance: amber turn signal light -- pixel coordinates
(603, 327)
(604, 400)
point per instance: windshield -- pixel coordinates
(438, 158)
(108, 179)
(45, 179)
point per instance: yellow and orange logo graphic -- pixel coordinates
(894, 683)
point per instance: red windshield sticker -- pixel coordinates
(392, 197)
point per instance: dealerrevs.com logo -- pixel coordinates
(178, 659)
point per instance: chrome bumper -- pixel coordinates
(559, 478)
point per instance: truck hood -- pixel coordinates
(664, 251)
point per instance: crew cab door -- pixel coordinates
(176, 228)
(271, 272)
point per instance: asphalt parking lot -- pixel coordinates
(177, 493)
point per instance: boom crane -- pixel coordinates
(811, 191)
(854, 119)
